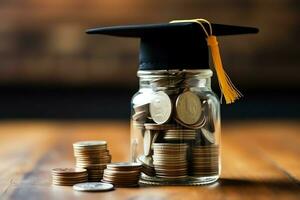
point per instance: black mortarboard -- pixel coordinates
(181, 44)
(172, 45)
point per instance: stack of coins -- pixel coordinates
(92, 156)
(122, 174)
(205, 160)
(69, 176)
(180, 134)
(170, 160)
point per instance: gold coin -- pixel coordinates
(188, 108)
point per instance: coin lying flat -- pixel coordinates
(159, 127)
(93, 187)
(188, 108)
(124, 166)
(184, 134)
(67, 171)
(160, 107)
(90, 143)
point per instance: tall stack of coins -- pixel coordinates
(205, 160)
(122, 174)
(92, 156)
(69, 176)
(170, 160)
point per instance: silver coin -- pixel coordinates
(93, 187)
(160, 107)
(148, 136)
(188, 108)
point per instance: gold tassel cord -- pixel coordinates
(230, 92)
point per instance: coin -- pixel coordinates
(124, 166)
(160, 107)
(92, 143)
(184, 134)
(67, 171)
(140, 116)
(195, 126)
(158, 127)
(210, 112)
(209, 136)
(147, 142)
(141, 107)
(93, 187)
(188, 108)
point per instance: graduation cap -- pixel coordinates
(180, 44)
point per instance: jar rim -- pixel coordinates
(205, 73)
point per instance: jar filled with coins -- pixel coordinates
(175, 127)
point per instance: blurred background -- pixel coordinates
(49, 68)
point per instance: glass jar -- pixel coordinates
(175, 127)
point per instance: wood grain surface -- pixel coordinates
(260, 160)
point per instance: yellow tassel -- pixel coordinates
(228, 89)
(230, 92)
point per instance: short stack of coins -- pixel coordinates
(69, 176)
(92, 156)
(170, 160)
(205, 160)
(122, 174)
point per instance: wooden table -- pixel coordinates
(260, 160)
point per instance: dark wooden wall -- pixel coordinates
(50, 68)
(44, 41)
